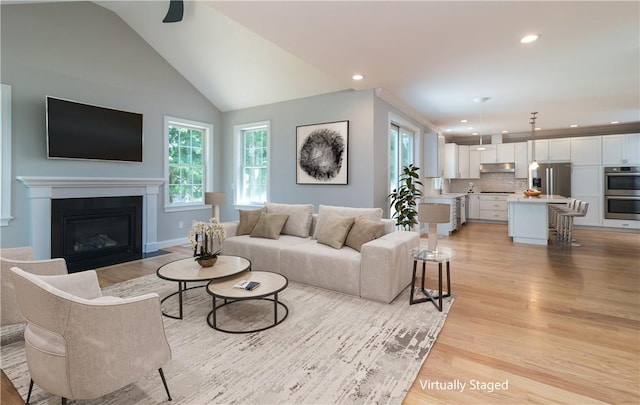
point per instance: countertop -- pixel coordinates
(541, 199)
(445, 195)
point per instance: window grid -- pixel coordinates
(254, 164)
(186, 165)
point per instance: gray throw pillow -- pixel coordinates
(363, 230)
(335, 230)
(269, 226)
(248, 220)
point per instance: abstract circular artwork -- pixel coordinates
(322, 154)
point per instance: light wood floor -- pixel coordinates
(549, 324)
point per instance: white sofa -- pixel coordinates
(379, 271)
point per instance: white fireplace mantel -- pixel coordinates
(42, 189)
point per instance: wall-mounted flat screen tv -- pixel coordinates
(82, 131)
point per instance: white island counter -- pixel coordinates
(529, 217)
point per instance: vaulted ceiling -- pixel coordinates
(431, 58)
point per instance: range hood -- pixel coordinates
(498, 168)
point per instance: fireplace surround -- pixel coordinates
(41, 190)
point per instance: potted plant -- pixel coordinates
(206, 241)
(404, 198)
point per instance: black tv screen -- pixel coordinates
(82, 131)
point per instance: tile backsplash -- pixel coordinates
(487, 182)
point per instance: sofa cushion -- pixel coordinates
(322, 266)
(299, 221)
(248, 220)
(264, 254)
(325, 211)
(364, 230)
(335, 230)
(269, 226)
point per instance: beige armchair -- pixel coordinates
(80, 344)
(21, 257)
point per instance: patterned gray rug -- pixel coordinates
(332, 349)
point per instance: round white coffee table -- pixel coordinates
(188, 270)
(270, 285)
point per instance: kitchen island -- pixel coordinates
(529, 217)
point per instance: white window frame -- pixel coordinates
(399, 121)
(238, 160)
(5, 144)
(207, 156)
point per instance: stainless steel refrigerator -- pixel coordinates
(555, 178)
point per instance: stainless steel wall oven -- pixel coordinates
(622, 192)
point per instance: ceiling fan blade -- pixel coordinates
(176, 10)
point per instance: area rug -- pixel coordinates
(331, 349)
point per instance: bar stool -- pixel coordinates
(567, 222)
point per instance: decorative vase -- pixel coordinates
(208, 262)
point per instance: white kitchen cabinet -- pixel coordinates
(493, 207)
(474, 164)
(522, 165)
(433, 164)
(586, 150)
(451, 161)
(505, 153)
(621, 150)
(551, 150)
(463, 161)
(489, 155)
(587, 185)
(473, 206)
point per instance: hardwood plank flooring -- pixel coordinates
(540, 324)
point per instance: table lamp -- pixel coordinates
(216, 199)
(433, 214)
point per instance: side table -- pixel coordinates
(439, 256)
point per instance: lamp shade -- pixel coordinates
(433, 213)
(215, 199)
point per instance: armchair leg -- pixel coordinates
(30, 389)
(165, 384)
(64, 401)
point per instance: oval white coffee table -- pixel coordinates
(188, 270)
(270, 284)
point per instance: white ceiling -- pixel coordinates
(433, 58)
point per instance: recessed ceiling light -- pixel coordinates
(538, 129)
(529, 38)
(573, 126)
(449, 130)
(481, 99)
(469, 128)
(474, 133)
(464, 120)
(505, 132)
(614, 122)
(357, 77)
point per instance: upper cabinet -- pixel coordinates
(451, 161)
(586, 151)
(474, 164)
(522, 164)
(621, 149)
(489, 155)
(433, 165)
(505, 153)
(550, 150)
(463, 161)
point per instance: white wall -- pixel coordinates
(83, 52)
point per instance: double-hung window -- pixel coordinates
(252, 162)
(188, 162)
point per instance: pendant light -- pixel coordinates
(534, 164)
(481, 100)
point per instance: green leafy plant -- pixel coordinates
(404, 198)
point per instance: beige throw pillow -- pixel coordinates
(269, 226)
(300, 216)
(325, 211)
(248, 220)
(363, 230)
(335, 230)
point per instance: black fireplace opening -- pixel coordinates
(96, 232)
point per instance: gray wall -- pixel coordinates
(83, 52)
(368, 118)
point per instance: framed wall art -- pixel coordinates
(322, 152)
